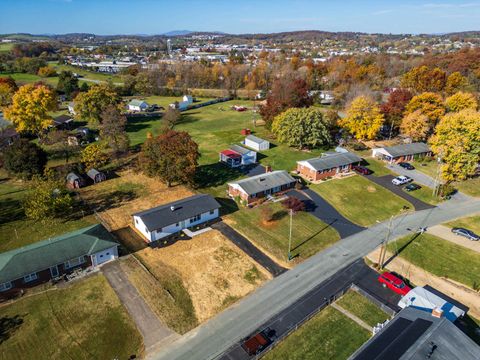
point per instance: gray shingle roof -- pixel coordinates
(332, 161)
(407, 149)
(41, 255)
(185, 209)
(92, 173)
(255, 139)
(62, 119)
(262, 182)
(240, 149)
(136, 102)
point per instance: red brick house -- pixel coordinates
(328, 165)
(403, 152)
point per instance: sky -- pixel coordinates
(106, 17)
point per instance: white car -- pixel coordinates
(400, 180)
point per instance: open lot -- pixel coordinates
(17, 230)
(214, 271)
(471, 223)
(58, 324)
(363, 308)
(322, 337)
(309, 234)
(23, 78)
(360, 200)
(440, 257)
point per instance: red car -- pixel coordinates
(362, 170)
(394, 283)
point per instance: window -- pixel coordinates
(30, 277)
(5, 286)
(136, 221)
(195, 218)
(75, 262)
(176, 224)
(107, 254)
(212, 212)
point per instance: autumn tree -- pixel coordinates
(285, 93)
(171, 156)
(89, 105)
(47, 199)
(171, 117)
(30, 108)
(395, 106)
(423, 79)
(8, 87)
(46, 71)
(429, 104)
(112, 129)
(293, 204)
(461, 101)
(302, 128)
(364, 118)
(92, 157)
(24, 159)
(416, 125)
(67, 84)
(456, 82)
(457, 142)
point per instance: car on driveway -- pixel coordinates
(362, 170)
(400, 180)
(394, 283)
(412, 187)
(470, 235)
(406, 166)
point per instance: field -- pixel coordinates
(322, 337)
(6, 47)
(363, 308)
(360, 200)
(16, 230)
(472, 223)
(441, 257)
(82, 321)
(214, 271)
(116, 79)
(309, 234)
(23, 78)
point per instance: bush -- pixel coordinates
(25, 159)
(294, 204)
(445, 190)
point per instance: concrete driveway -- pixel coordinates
(386, 182)
(152, 330)
(322, 210)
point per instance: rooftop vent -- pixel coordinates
(172, 208)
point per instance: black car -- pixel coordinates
(412, 187)
(470, 235)
(406, 166)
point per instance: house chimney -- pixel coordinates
(268, 168)
(172, 208)
(437, 312)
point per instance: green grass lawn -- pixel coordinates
(23, 78)
(328, 335)
(309, 234)
(378, 167)
(441, 257)
(167, 100)
(360, 200)
(87, 74)
(83, 321)
(16, 230)
(425, 194)
(470, 187)
(137, 129)
(428, 167)
(6, 47)
(471, 223)
(363, 308)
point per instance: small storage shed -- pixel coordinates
(256, 143)
(96, 176)
(74, 181)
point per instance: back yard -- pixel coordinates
(360, 200)
(309, 234)
(363, 308)
(58, 324)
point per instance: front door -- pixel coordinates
(54, 271)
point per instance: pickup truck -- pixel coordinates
(400, 180)
(255, 344)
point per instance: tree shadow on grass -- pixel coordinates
(216, 174)
(399, 251)
(113, 199)
(11, 210)
(8, 325)
(312, 236)
(189, 118)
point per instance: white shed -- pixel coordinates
(188, 99)
(256, 143)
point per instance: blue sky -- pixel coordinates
(237, 16)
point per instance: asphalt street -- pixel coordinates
(211, 339)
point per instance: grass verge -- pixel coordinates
(471, 223)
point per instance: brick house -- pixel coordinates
(42, 261)
(403, 152)
(328, 165)
(259, 186)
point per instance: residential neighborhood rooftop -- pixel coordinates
(136, 102)
(407, 149)
(239, 149)
(262, 182)
(255, 139)
(331, 161)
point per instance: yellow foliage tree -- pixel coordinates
(456, 82)
(416, 125)
(430, 104)
(91, 104)
(93, 157)
(30, 107)
(461, 101)
(363, 119)
(457, 142)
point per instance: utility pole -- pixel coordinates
(437, 176)
(290, 237)
(383, 247)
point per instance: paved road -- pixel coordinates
(212, 338)
(152, 330)
(250, 249)
(386, 182)
(327, 213)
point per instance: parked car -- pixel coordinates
(362, 170)
(400, 180)
(255, 344)
(394, 283)
(406, 165)
(412, 187)
(470, 235)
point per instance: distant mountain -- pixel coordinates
(178, 33)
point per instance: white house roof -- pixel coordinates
(424, 299)
(259, 183)
(255, 139)
(331, 161)
(239, 149)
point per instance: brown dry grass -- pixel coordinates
(214, 271)
(129, 193)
